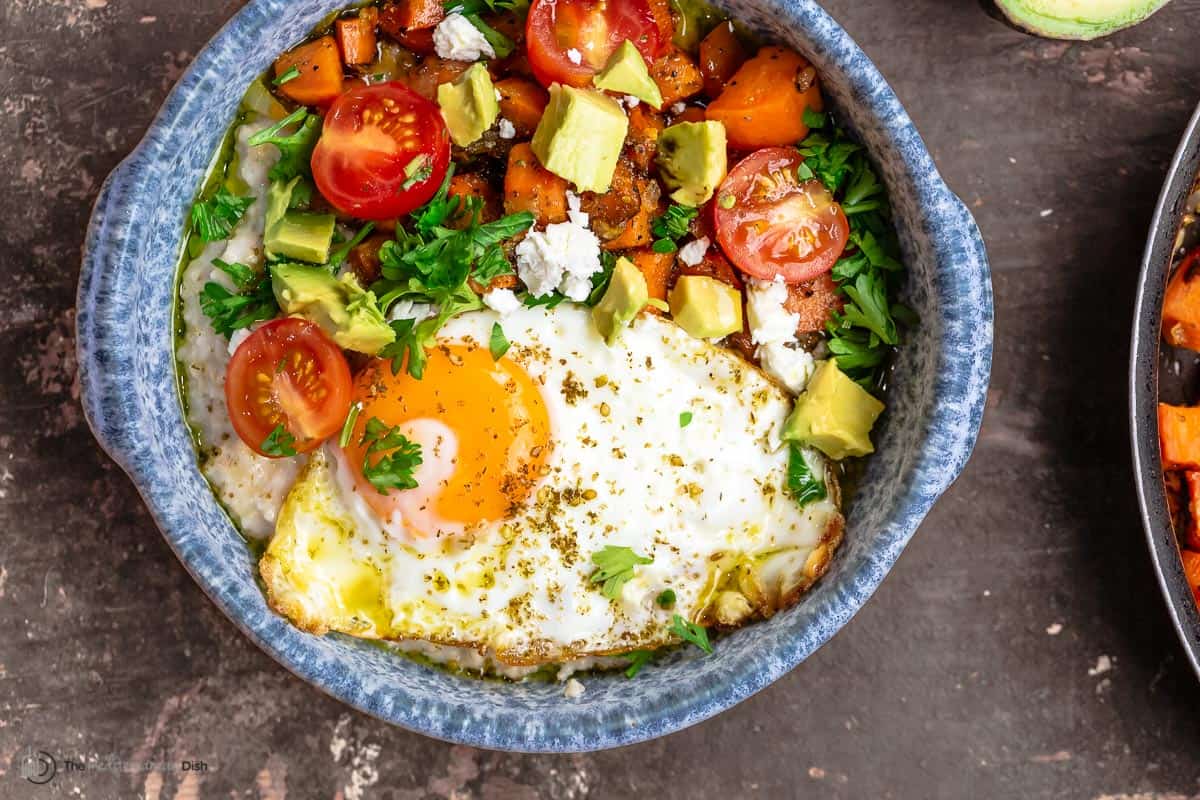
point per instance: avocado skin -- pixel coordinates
(1020, 14)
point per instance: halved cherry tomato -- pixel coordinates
(383, 151)
(289, 373)
(589, 30)
(770, 222)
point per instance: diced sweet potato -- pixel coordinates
(410, 15)
(528, 186)
(432, 71)
(1181, 306)
(320, 72)
(645, 124)
(472, 184)
(522, 103)
(763, 103)
(656, 269)
(721, 54)
(636, 231)
(677, 76)
(363, 259)
(713, 265)
(1179, 436)
(815, 301)
(356, 36)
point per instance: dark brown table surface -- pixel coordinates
(1020, 648)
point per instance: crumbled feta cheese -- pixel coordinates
(770, 322)
(407, 309)
(237, 337)
(505, 129)
(573, 689)
(457, 39)
(502, 301)
(679, 107)
(575, 56)
(561, 258)
(791, 366)
(693, 252)
(575, 210)
(631, 101)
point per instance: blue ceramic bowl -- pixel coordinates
(125, 334)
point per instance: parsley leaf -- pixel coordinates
(215, 218)
(279, 443)
(868, 307)
(394, 470)
(672, 226)
(614, 568)
(802, 483)
(685, 419)
(637, 660)
(815, 120)
(499, 42)
(229, 311)
(295, 148)
(499, 342)
(484, 6)
(666, 599)
(338, 256)
(419, 170)
(549, 300)
(691, 632)
(348, 426)
(407, 352)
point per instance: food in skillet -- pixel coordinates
(537, 335)
(1179, 425)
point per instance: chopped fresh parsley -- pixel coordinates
(685, 419)
(866, 329)
(550, 300)
(666, 599)
(215, 218)
(671, 227)
(691, 632)
(602, 278)
(295, 148)
(435, 264)
(498, 344)
(348, 425)
(614, 568)
(253, 302)
(417, 171)
(338, 256)
(291, 74)
(802, 483)
(484, 6)
(499, 42)
(637, 660)
(279, 443)
(394, 469)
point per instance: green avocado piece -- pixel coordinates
(691, 160)
(469, 104)
(626, 296)
(1077, 19)
(295, 234)
(580, 137)
(834, 415)
(626, 73)
(693, 20)
(342, 308)
(706, 307)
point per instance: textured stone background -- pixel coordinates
(1019, 649)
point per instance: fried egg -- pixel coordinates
(664, 444)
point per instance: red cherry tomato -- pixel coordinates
(383, 151)
(289, 373)
(770, 222)
(589, 30)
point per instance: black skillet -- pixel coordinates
(1159, 371)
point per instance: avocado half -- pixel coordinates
(1077, 19)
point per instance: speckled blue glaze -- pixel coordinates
(125, 335)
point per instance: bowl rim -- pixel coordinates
(1144, 350)
(963, 351)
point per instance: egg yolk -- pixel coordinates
(499, 423)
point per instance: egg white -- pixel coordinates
(705, 501)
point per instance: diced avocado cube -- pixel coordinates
(469, 104)
(295, 234)
(834, 415)
(691, 160)
(626, 73)
(626, 296)
(343, 309)
(706, 307)
(580, 137)
(301, 235)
